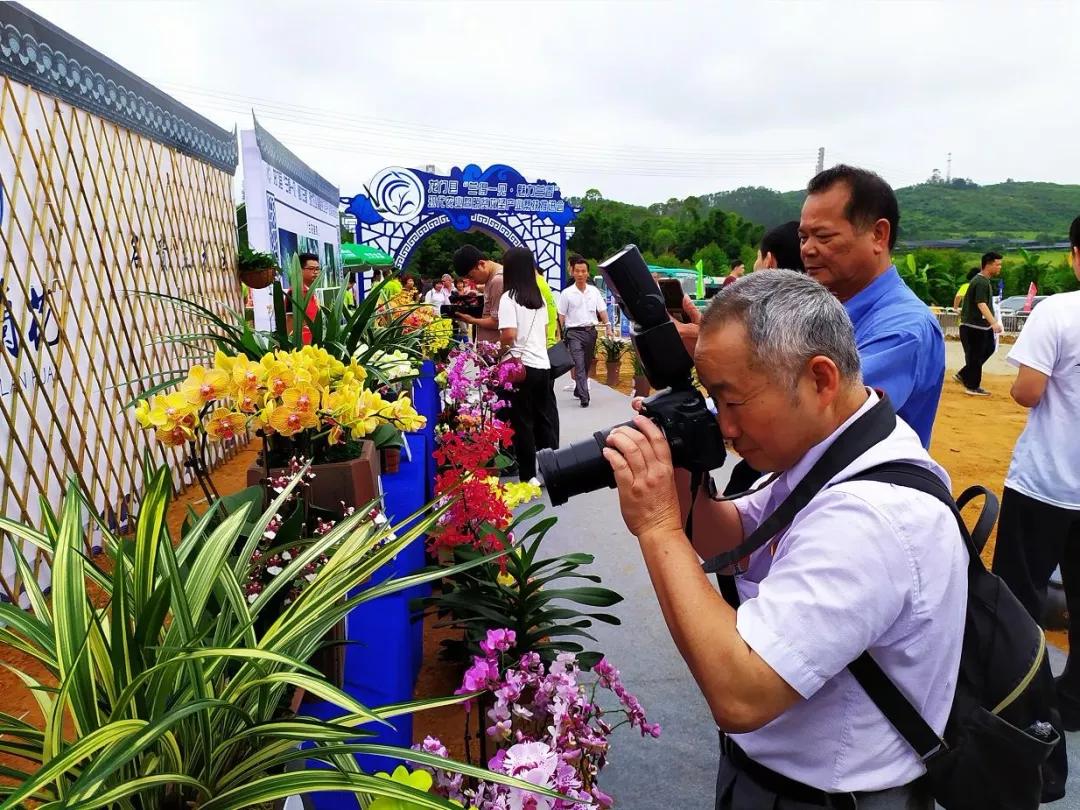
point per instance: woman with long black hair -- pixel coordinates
(523, 334)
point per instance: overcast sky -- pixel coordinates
(644, 101)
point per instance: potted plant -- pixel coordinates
(304, 403)
(641, 382)
(382, 352)
(613, 350)
(257, 270)
(153, 700)
(389, 441)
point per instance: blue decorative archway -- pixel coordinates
(402, 207)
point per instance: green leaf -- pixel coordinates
(135, 787)
(98, 739)
(70, 611)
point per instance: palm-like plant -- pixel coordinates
(156, 701)
(530, 597)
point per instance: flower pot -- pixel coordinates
(613, 367)
(259, 278)
(353, 483)
(390, 458)
(641, 386)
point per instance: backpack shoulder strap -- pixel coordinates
(892, 703)
(872, 427)
(905, 474)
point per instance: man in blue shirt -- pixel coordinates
(848, 229)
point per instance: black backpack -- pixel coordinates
(998, 734)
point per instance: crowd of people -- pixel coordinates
(796, 362)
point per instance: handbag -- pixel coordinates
(560, 359)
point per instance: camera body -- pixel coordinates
(689, 427)
(470, 303)
(678, 408)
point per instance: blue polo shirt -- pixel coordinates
(901, 348)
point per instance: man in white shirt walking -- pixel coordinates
(864, 566)
(581, 308)
(1039, 527)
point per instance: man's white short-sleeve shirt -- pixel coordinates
(580, 307)
(1046, 461)
(865, 566)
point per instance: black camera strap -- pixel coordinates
(872, 427)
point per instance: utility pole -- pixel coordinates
(820, 160)
(948, 170)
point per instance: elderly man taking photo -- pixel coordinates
(864, 566)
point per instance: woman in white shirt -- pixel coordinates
(523, 334)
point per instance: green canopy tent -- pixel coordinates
(354, 256)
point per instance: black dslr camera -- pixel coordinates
(469, 303)
(677, 408)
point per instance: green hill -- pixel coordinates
(938, 210)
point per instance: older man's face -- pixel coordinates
(834, 252)
(766, 423)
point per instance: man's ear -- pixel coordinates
(882, 230)
(826, 376)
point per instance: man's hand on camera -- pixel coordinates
(645, 477)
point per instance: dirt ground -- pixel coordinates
(973, 439)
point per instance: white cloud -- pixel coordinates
(643, 100)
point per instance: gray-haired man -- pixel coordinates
(864, 566)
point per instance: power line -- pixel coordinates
(426, 136)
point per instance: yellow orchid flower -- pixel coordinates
(175, 436)
(301, 398)
(368, 414)
(225, 424)
(166, 411)
(245, 375)
(289, 422)
(341, 403)
(406, 417)
(204, 385)
(278, 375)
(336, 435)
(515, 494)
(246, 403)
(353, 373)
(506, 579)
(142, 413)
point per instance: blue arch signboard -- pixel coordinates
(401, 207)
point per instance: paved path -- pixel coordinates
(954, 359)
(679, 769)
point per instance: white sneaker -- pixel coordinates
(536, 482)
(570, 387)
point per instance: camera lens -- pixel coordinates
(576, 468)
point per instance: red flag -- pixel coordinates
(1032, 292)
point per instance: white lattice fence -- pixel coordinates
(91, 210)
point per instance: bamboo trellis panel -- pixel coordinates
(88, 212)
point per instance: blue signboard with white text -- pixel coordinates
(400, 207)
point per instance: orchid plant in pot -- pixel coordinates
(547, 725)
(304, 402)
(383, 355)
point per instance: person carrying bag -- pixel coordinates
(522, 328)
